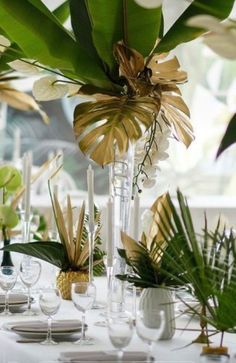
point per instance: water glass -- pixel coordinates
(49, 302)
(8, 277)
(30, 271)
(120, 331)
(83, 296)
(150, 324)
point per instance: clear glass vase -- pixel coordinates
(121, 183)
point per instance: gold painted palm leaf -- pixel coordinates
(100, 125)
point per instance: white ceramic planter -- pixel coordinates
(152, 298)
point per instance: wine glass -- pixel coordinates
(49, 302)
(149, 326)
(30, 271)
(83, 295)
(120, 331)
(8, 277)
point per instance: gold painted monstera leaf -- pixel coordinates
(102, 124)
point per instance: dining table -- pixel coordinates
(179, 349)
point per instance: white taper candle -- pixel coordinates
(90, 185)
(27, 186)
(16, 144)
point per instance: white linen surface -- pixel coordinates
(173, 351)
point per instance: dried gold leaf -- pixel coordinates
(20, 101)
(79, 232)
(116, 120)
(132, 248)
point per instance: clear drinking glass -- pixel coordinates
(149, 326)
(30, 271)
(83, 295)
(120, 331)
(49, 301)
(8, 277)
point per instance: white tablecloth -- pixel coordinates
(172, 351)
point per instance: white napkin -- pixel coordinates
(41, 326)
(101, 356)
(14, 299)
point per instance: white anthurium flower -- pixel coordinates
(221, 37)
(231, 97)
(4, 43)
(47, 89)
(146, 221)
(24, 67)
(73, 89)
(149, 4)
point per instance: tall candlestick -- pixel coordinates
(110, 237)
(90, 184)
(16, 145)
(136, 217)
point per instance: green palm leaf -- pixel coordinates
(114, 120)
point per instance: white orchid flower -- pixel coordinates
(4, 43)
(221, 37)
(146, 221)
(48, 88)
(149, 4)
(149, 183)
(25, 66)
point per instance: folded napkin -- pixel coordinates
(101, 356)
(14, 299)
(59, 326)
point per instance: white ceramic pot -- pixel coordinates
(152, 298)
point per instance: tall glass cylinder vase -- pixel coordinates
(3, 122)
(121, 179)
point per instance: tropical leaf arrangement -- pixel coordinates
(72, 252)
(205, 264)
(116, 54)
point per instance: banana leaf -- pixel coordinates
(52, 252)
(49, 44)
(229, 137)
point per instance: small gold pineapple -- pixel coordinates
(66, 278)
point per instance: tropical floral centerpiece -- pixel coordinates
(117, 55)
(71, 254)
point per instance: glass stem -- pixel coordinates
(49, 334)
(83, 327)
(120, 355)
(149, 356)
(29, 300)
(7, 302)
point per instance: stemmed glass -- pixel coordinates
(30, 271)
(149, 326)
(8, 277)
(49, 302)
(83, 295)
(120, 331)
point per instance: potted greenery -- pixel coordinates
(206, 264)
(71, 254)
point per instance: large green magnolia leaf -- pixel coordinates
(123, 20)
(229, 137)
(50, 44)
(180, 32)
(62, 12)
(100, 125)
(52, 252)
